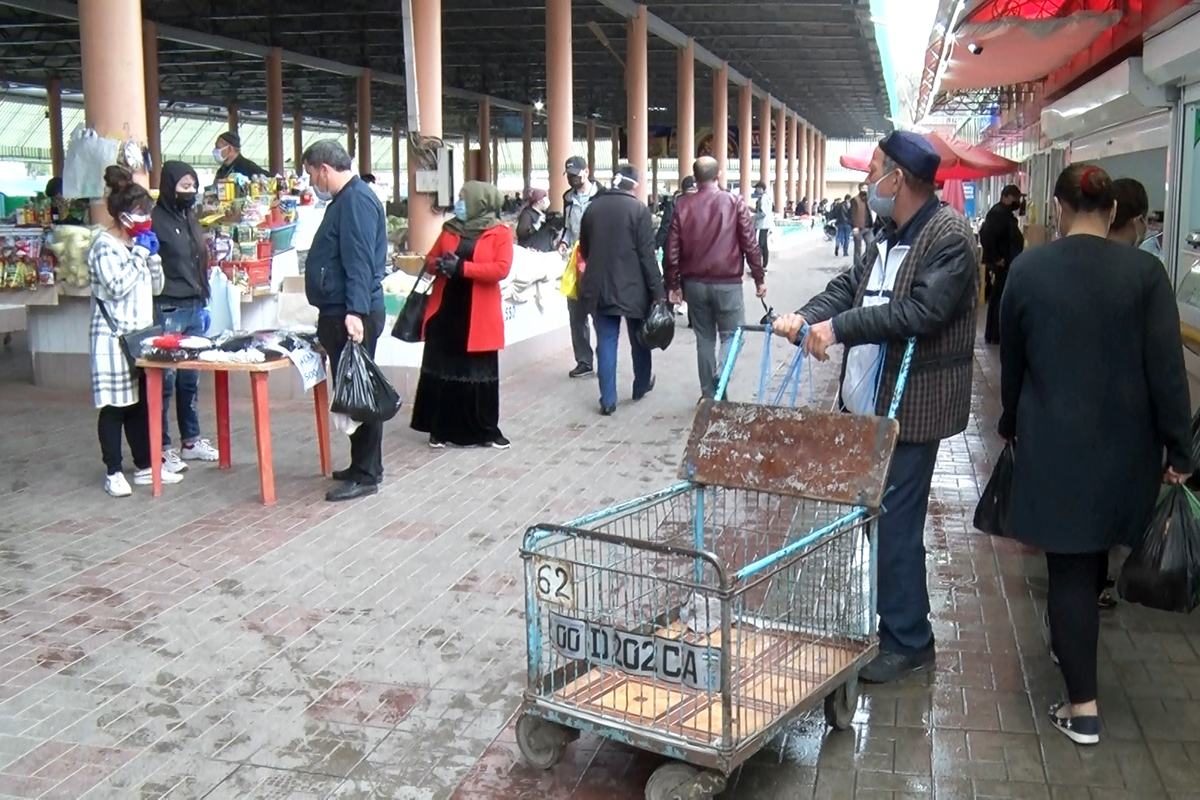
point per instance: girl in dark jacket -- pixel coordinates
(1094, 391)
(180, 308)
(531, 230)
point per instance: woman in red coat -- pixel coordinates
(458, 394)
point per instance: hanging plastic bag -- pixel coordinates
(570, 278)
(88, 154)
(361, 391)
(224, 304)
(991, 515)
(1194, 481)
(658, 329)
(1163, 571)
(344, 424)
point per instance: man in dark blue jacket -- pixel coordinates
(343, 278)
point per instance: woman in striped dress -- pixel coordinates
(125, 273)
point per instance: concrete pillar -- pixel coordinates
(275, 110)
(559, 96)
(745, 137)
(485, 138)
(685, 103)
(297, 138)
(780, 152)
(821, 165)
(721, 119)
(802, 189)
(114, 94)
(791, 165)
(495, 174)
(423, 222)
(365, 164)
(153, 124)
(654, 178)
(527, 150)
(591, 145)
(232, 111)
(395, 162)
(351, 138)
(764, 142)
(54, 112)
(637, 98)
(616, 145)
(814, 192)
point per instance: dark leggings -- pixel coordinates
(135, 423)
(1076, 580)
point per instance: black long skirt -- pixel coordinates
(458, 393)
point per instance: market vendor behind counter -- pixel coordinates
(228, 153)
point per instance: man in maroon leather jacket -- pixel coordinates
(712, 238)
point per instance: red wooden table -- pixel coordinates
(259, 373)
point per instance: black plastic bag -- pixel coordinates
(1194, 481)
(1163, 571)
(991, 515)
(360, 390)
(658, 329)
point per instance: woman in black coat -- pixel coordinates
(1094, 392)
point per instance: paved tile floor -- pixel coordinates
(202, 645)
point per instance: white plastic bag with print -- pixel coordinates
(88, 154)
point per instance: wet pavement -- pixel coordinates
(202, 645)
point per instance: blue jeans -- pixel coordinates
(903, 596)
(843, 240)
(608, 331)
(180, 316)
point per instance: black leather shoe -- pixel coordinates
(582, 371)
(888, 667)
(607, 411)
(649, 389)
(343, 475)
(351, 490)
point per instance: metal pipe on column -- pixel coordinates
(54, 113)
(275, 110)
(114, 93)
(591, 146)
(297, 138)
(485, 140)
(527, 150)
(365, 165)
(720, 136)
(745, 135)
(637, 100)
(424, 223)
(395, 162)
(780, 132)
(153, 122)
(559, 96)
(764, 142)
(791, 164)
(685, 122)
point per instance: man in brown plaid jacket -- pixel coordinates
(921, 280)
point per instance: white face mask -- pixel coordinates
(218, 155)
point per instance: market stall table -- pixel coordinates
(259, 373)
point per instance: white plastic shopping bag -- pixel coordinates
(224, 304)
(88, 154)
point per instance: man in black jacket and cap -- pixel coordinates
(921, 284)
(228, 153)
(1002, 241)
(622, 279)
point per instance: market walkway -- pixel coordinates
(203, 645)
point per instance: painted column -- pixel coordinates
(637, 100)
(821, 166)
(814, 191)
(424, 222)
(721, 120)
(153, 123)
(780, 152)
(764, 142)
(527, 150)
(495, 174)
(365, 165)
(591, 146)
(54, 112)
(114, 93)
(745, 135)
(654, 178)
(685, 122)
(351, 138)
(791, 165)
(559, 97)
(275, 110)
(616, 145)
(485, 140)
(395, 162)
(802, 162)
(468, 159)
(232, 111)
(297, 138)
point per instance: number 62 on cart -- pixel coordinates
(555, 582)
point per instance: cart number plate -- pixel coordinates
(555, 583)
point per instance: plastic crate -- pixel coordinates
(281, 237)
(258, 272)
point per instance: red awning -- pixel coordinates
(960, 161)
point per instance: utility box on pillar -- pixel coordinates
(441, 180)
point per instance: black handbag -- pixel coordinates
(131, 343)
(411, 321)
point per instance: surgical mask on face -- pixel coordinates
(135, 224)
(883, 206)
(460, 210)
(218, 155)
(185, 199)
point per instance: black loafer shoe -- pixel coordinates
(351, 490)
(890, 667)
(343, 475)
(649, 389)
(607, 411)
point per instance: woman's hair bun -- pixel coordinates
(117, 178)
(1094, 182)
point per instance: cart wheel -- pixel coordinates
(841, 705)
(678, 781)
(542, 743)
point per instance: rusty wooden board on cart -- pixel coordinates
(800, 452)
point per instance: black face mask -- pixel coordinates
(575, 181)
(185, 200)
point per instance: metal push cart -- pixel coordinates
(696, 621)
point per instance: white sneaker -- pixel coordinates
(117, 486)
(145, 477)
(172, 462)
(202, 450)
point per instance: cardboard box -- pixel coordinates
(294, 310)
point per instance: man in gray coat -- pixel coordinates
(921, 281)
